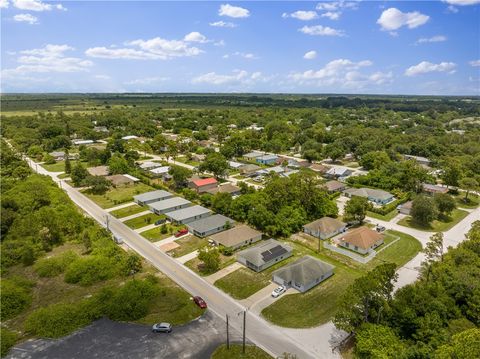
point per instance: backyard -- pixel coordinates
(437, 225)
(142, 221)
(116, 196)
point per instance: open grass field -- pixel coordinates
(128, 211)
(142, 221)
(116, 196)
(188, 244)
(58, 166)
(195, 264)
(235, 352)
(437, 225)
(155, 234)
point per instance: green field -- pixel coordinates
(188, 244)
(155, 234)
(128, 211)
(57, 167)
(473, 201)
(115, 196)
(195, 264)
(143, 221)
(235, 352)
(437, 225)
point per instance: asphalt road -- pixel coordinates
(108, 339)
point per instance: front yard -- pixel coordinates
(387, 217)
(195, 264)
(473, 201)
(155, 234)
(116, 196)
(437, 225)
(128, 211)
(142, 221)
(235, 352)
(188, 244)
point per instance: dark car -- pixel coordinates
(160, 221)
(200, 302)
(162, 328)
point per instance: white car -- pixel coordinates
(279, 291)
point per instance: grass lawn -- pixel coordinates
(63, 175)
(387, 217)
(437, 225)
(195, 264)
(128, 211)
(57, 167)
(473, 201)
(155, 234)
(116, 196)
(235, 352)
(188, 244)
(142, 221)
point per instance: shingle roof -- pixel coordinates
(267, 157)
(148, 196)
(189, 212)
(325, 225)
(169, 203)
(235, 236)
(226, 188)
(362, 237)
(304, 270)
(254, 254)
(434, 188)
(333, 185)
(369, 192)
(206, 224)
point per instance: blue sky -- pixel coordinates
(384, 47)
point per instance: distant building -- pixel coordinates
(266, 159)
(248, 169)
(374, 195)
(235, 165)
(148, 165)
(325, 227)
(226, 188)
(264, 255)
(337, 172)
(334, 186)
(432, 189)
(317, 167)
(150, 197)
(198, 157)
(237, 237)
(122, 180)
(420, 160)
(203, 185)
(169, 205)
(210, 225)
(129, 137)
(100, 129)
(82, 142)
(188, 214)
(252, 155)
(98, 171)
(361, 240)
(160, 172)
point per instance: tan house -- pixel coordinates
(325, 227)
(361, 240)
(237, 237)
(248, 169)
(98, 171)
(334, 186)
(122, 180)
(317, 167)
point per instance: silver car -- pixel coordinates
(162, 328)
(279, 291)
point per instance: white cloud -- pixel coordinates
(102, 77)
(223, 24)
(245, 55)
(393, 19)
(334, 9)
(462, 2)
(3, 4)
(426, 67)
(50, 58)
(332, 15)
(302, 15)
(147, 81)
(195, 36)
(342, 73)
(475, 63)
(320, 30)
(436, 38)
(233, 11)
(36, 5)
(238, 77)
(310, 55)
(153, 49)
(26, 18)
(452, 9)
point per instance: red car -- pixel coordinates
(200, 302)
(181, 232)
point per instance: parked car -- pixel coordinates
(162, 328)
(279, 291)
(160, 221)
(200, 302)
(380, 228)
(181, 232)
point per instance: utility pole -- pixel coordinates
(107, 221)
(228, 336)
(244, 322)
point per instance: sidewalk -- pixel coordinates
(223, 272)
(184, 259)
(146, 228)
(128, 204)
(123, 219)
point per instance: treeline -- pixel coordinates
(438, 316)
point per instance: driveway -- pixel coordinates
(108, 339)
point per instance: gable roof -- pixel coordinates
(152, 195)
(189, 212)
(98, 171)
(206, 224)
(362, 237)
(427, 187)
(264, 252)
(326, 225)
(339, 171)
(304, 270)
(169, 203)
(235, 236)
(334, 185)
(204, 181)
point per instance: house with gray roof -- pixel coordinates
(303, 274)
(188, 214)
(237, 237)
(337, 172)
(210, 225)
(264, 255)
(152, 196)
(325, 227)
(252, 155)
(375, 195)
(169, 205)
(267, 159)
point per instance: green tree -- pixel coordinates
(118, 165)
(215, 163)
(133, 264)
(464, 345)
(179, 175)
(79, 174)
(374, 160)
(468, 184)
(210, 258)
(433, 252)
(221, 202)
(374, 341)
(98, 184)
(452, 173)
(48, 159)
(445, 203)
(356, 209)
(68, 164)
(423, 210)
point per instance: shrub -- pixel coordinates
(7, 339)
(384, 210)
(89, 270)
(16, 296)
(53, 266)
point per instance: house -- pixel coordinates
(292, 163)
(98, 171)
(152, 196)
(169, 205)
(252, 155)
(325, 227)
(248, 169)
(198, 157)
(160, 171)
(82, 142)
(266, 171)
(432, 189)
(188, 214)
(334, 186)
(374, 195)
(235, 165)
(226, 188)
(202, 185)
(122, 180)
(361, 240)
(420, 160)
(337, 172)
(100, 129)
(318, 167)
(148, 165)
(58, 155)
(129, 137)
(303, 274)
(266, 159)
(237, 237)
(254, 127)
(210, 225)
(405, 208)
(264, 255)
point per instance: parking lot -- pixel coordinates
(109, 339)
